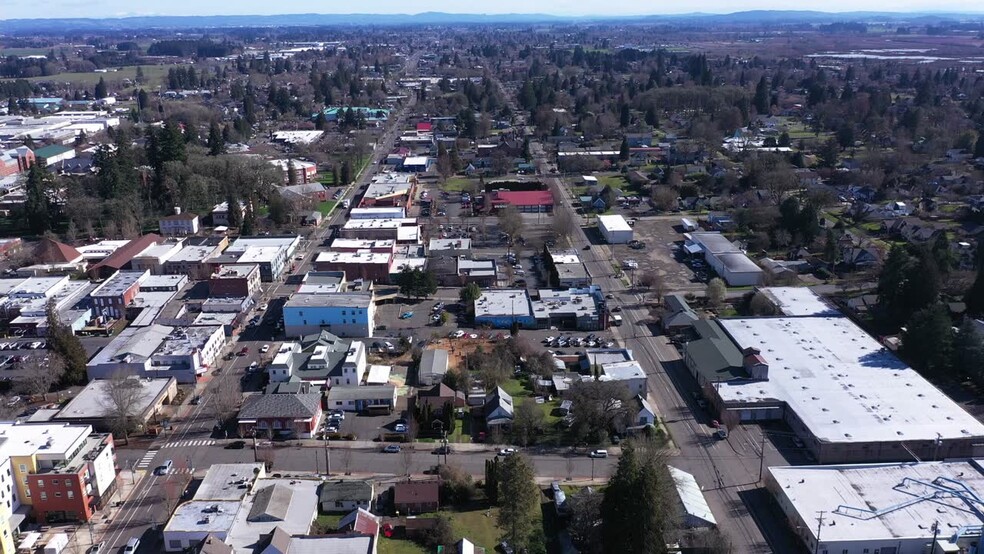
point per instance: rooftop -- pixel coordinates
(205, 516)
(50, 439)
(94, 400)
(264, 511)
(714, 243)
(882, 501)
(184, 341)
(243, 243)
(360, 257)
(225, 481)
(504, 302)
(842, 384)
(119, 283)
(134, 343)
(362, 244)
(565, 257)
(351, 490)
(329, 300)
(449, 244)
(797, 301)
(621, 371)
(576, 301)
(392, 223)
(614, 223)
(234, 271)
(298, 406)
(524, 197)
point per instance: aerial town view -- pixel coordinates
(552, 279)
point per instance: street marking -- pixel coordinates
(180, 470)
(190, 442)
(147, 458)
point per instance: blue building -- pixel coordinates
(344, 314)
(501, 308)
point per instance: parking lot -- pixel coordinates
(661, 235)
(368, 427)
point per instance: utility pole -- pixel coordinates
(762, 456)
(816, 547)
(327, 457)
(936, 532)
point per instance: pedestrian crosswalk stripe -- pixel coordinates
(180, 470)
(189, 442)
(146, 459)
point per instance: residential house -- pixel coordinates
(345, 496)
(179, 224)
(643, 412)
(416, 497)
(438, 396)
(677, 314)
(498, 409)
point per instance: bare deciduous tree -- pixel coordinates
(226, 400)
(41, 374)
(563, 225)
(406, 460)
(124, 392)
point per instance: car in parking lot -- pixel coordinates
(400, 428)
(337, 414)
(243, 351)
(254, 366)
(264, 349)
(507, 452)
(456, 334)
(406, 315)
(97, 548)
(131, 545)
(598, 454)
(392, 449)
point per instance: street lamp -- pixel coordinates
(327, 456)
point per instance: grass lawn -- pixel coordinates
(614, 181)
(480, 528)
(328, 522)
(326, 207)
(552, 434)
(871, 227)
(457, 184)
(154, 74)
(326, 179)
(393, 546)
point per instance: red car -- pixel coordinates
(244, 351)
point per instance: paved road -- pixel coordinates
(727, 470)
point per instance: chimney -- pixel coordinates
(755, 364)
(177, 210)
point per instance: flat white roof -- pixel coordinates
(842, 384)
(837, 489)
(691, 496)
(797, 301)
(378, 374)
(360, 258)
(224, 481)
(415, 160)
(624, 370)
(614, 223)
(94, 401)
(503, 302)
(392, 223)
(203, 516)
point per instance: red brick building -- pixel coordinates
(234, 281)
(74, 491)
(16, 160)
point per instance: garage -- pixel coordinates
(615, 229)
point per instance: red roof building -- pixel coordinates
(424, 127)
(122, 257)
(530, 201)
(50, 251)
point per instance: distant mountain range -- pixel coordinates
(755, 17)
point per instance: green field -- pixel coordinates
(393, 546)
(154, 75)
(457, 184)
(326, 207)
(5, 52)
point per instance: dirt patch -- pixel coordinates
(458, 349)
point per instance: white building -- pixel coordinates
(157, 351)
(730, 263)
(629, 373)
(179, 224)
(884, 508)
(615, 229)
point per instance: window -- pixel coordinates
(41, 484)
(71, 494)
(44, 495)
(57, 494)
(68, 482)
(175, 544)
(23, 468)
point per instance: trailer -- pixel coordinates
(687, 225)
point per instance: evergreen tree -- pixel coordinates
(517, 516)
(345, 174)
(216, 142)
(968, 350)
(63, 342)
(249, 221)
(623, 150)
(279, 210)
(979, 146)
(928, 339)
(761, 98)
(637, 510)
(37, 205)
(235, 211)
(101, 89)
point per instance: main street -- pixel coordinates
(727, 470)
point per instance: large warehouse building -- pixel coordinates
(846, 396)
(615, 229)
(730, 263)
(883, 508)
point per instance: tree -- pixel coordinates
(492, 479)
(37, 205)
(235, 211)
(438, 536)
(979, 147)
(511, 222)
(602, 408)
(927, 341)
(345, 174)
(637, 512)
(907, 283)
(248, 227)
(279, 211)
(40, 373)
(563, 225)
(457, 486)
(101, 89)
(652, 282)
(828, 153)
(124, 392)
(528, 423)
(623, 150)
(468, 294)
(715, 292)
(64, 343)
(517, 517)
(584, 519)
(664, 197)
(968, 350)
(416, 283)
(216, 143)
(226, 400)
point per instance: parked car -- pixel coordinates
(131, 545)
(97, 548)
(392, 449)
(406, 315)
(263, 307)
(243, 351)
(236, 445)
(400, 428)
(598, 454)
(337, 414)
(264, 349)
(507, 452)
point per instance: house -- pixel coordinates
(280, 415)
(179, 224)
(346, 496)
(432, 367)
(498, 408)
(677, 314)
(438, 396)
(306, 191)
(416, 497)
(643, 412)
(860, 257)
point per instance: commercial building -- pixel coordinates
(94, 406)
(526, 201)
(304, 172)
(120, 256)
(273, 254)
(345, 311)
(55, 472)
(158, 351)
(377, 398)
(501, 308)
(55, 154)
(895, 508)
(614, 229)
(179, 224)
(380, 212)
(565, 269)
(380, 246)
(155, 256)
(696, 512)
(582, 309)
(356, 265)
(294, 414)
(403, 231)
(730, 263)
(16, 160)
(193, 259)
(117, 292)
(629, 373)
(234, 281)
(318, 359)
(847, 397)
(390, 189)
(290, 504)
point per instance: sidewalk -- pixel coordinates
(101, 522)
(427, 446)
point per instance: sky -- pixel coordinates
(17, 9)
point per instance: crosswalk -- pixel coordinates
(180, 471)
(144, 462)
(188, 442)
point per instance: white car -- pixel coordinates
(457, 334)
(253, 366)
(549, 339)
(507, 452)
(263, 307)
(598, 454)
(264, 349)
(473, 336)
